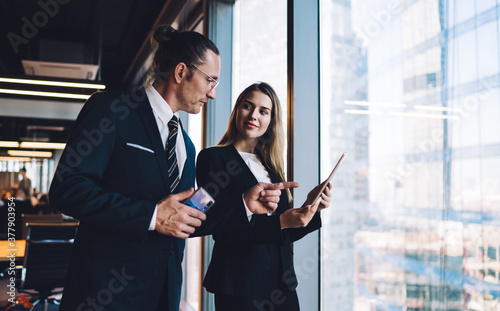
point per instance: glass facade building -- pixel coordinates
(411, 89)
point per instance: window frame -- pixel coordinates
(303, 124)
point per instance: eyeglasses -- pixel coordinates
(212, 80)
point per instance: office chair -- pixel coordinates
(35, 218)
(46, 259)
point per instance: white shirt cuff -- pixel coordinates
(249, 213)
(152, 224)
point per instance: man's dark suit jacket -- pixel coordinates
(110, 177)
(243, 253)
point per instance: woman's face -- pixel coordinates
(253, 115)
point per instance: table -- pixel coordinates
(6, 249)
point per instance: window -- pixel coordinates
(192, 274)
(191, 262)
(411, 89)
(260, 46)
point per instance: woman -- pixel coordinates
(252, 265)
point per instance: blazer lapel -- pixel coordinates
(283, 204)
(246, 177)
(151, 127)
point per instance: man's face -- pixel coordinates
(194, 92)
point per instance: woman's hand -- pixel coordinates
(325, 197)
(298, 217)
(263, 198)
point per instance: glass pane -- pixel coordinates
(260, 47)
(411, 90)
(191, 263)
(192, 273)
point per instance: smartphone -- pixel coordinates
(200, 200)
(329, 177)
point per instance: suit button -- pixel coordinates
(171, 251)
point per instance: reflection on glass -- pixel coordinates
(260, 47)
(415, 222)
(191, 264)
(192, 273)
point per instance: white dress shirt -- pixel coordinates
(258, 170)
(163, 113)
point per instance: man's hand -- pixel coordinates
(298, 217)
(176, 219)
(263, 198)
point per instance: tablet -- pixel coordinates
(329, 177)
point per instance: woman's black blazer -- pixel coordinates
(243, 249)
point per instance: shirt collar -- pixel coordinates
(160, 106)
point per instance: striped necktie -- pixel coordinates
(173, 169)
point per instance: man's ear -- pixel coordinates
(180, 72)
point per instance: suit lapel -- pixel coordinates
(246, 177)
(151, 127)
(248, 180)
(283, 204)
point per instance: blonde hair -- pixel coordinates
(270, 147)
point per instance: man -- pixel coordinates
(25, 183)
(124, 173)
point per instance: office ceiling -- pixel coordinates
(70, 31)
(112, 33)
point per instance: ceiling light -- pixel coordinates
(420, 107)
(353, 111)
(45, 128)
(46, 94)
(25, 159)
(9, 144)
(38, 139)
(379, 104)
(55, 83)
(424, 115)
(23, 153)
(40, 145)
